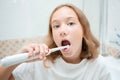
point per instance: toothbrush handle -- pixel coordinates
(20, 58)
(16, 59)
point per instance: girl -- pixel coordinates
(67, 26)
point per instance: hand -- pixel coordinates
(36, 49)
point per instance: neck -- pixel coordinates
(72, 60)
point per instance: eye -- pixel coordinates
(71, 23)
(56, 26)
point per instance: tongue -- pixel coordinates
(64, 43)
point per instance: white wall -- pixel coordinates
(29, 18)
(113, 23)
(110, 23)
(92, 11)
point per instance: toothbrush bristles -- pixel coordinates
(58, 48)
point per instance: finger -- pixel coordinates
(36, 50)
(46, 49)
(43, 51)
(43, 57)
(30, 49)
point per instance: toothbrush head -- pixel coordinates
(58, 48)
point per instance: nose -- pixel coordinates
(63, 31)
(62, 34)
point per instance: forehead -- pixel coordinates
(63, 12)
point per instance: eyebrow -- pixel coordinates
(66, 19)
(71, 18)
(54, 21)
(74, 18)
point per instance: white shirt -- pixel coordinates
(60, 70)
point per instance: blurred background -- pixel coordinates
(29, 18)
(25, 21)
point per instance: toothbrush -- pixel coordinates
(20, 58)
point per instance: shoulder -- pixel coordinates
(100, 61)
(99, 65)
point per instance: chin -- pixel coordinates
(67, 55)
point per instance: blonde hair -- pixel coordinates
(89, 43)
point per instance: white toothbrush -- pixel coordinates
(20, 58)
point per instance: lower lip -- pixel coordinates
(66, 50)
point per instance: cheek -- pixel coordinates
(78, 36)
(55, 34)
(55, 37)
(78, 32)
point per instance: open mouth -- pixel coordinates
(65, 42)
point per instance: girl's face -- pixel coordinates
(67, 30)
